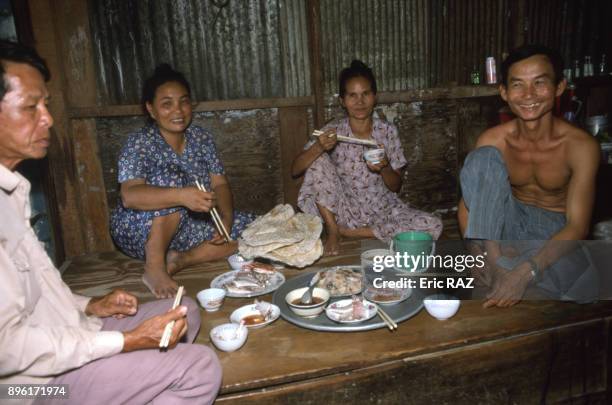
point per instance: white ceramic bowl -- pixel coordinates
(236, 261)
(227, 337)
(441, 306)
(374, 156)
(211, 298)
(311, 310)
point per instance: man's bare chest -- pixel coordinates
(546, 170)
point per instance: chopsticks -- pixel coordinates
(386, 319)
(348, 139)
(165, 340)
(216, 218)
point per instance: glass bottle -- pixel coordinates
(603, 66)
(576, 69)
(475, 75)
(587, 69)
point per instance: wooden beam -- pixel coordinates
(313, 15)
(518, 20)
(217, 105)
(293, 135)
(61, 167)
(92, 193)
(452, 92)
(63, 38)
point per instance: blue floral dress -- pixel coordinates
(146, 155)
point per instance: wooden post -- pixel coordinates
(61, 35)
(518, 20)
(316, 66)
(293, 136)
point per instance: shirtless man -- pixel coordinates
(532, 178)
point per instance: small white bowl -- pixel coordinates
(236, 261)
(228, 337)
(211, 298)
(374, 156)
(307, 311)
(441, 306)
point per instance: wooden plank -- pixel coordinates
(294, 131)
(92, 193)
(61, 161)
(313, 18)
(251, 104)
(74, 36)
(511, 350)
(550, 366)
(518, 19)
(204, 106)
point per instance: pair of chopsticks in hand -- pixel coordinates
(165, 340)
(348, 139)
(386, 319)
(216, 218)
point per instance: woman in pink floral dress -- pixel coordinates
(356, 198)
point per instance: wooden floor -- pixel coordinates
(535, 352)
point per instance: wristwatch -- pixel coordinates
(534, 269)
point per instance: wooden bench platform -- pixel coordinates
(534, 352)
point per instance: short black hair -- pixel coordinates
(527, 51)
(17, 53)
(357, 69)
(163, 74)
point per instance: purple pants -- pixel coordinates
(187, 374)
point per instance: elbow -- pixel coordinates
(295, 171)
(126, 200)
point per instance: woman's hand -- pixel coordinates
(327, 140)
(378, 167)
(197, 200)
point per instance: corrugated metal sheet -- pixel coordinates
(228, 49)
(576, 27)
(412, 43)
(259, 48)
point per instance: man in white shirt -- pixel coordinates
(106, 348)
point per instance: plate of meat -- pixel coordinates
(251, 281)
(351, 310)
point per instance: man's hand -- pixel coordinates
(327, 140)
(509, 287)
(118, 303)
(149, 333)
(197, 200)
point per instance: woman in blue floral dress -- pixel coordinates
(162, 216)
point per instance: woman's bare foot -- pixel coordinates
(159, 282)
(173, 264)
(332, 245)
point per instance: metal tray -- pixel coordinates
(399, 312)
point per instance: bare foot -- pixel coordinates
(332, 245)
(159, 282)
(172, 262)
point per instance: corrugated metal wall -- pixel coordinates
(412, 43)
(227, 49)
(576, 27)
(259, 48)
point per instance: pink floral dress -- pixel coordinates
(341, 182)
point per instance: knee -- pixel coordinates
(436, 226)
(207, 365)
(193, 313)
(484, 163)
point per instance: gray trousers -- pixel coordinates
(187, 374)
(495, 214)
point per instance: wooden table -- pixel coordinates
(534, 351)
